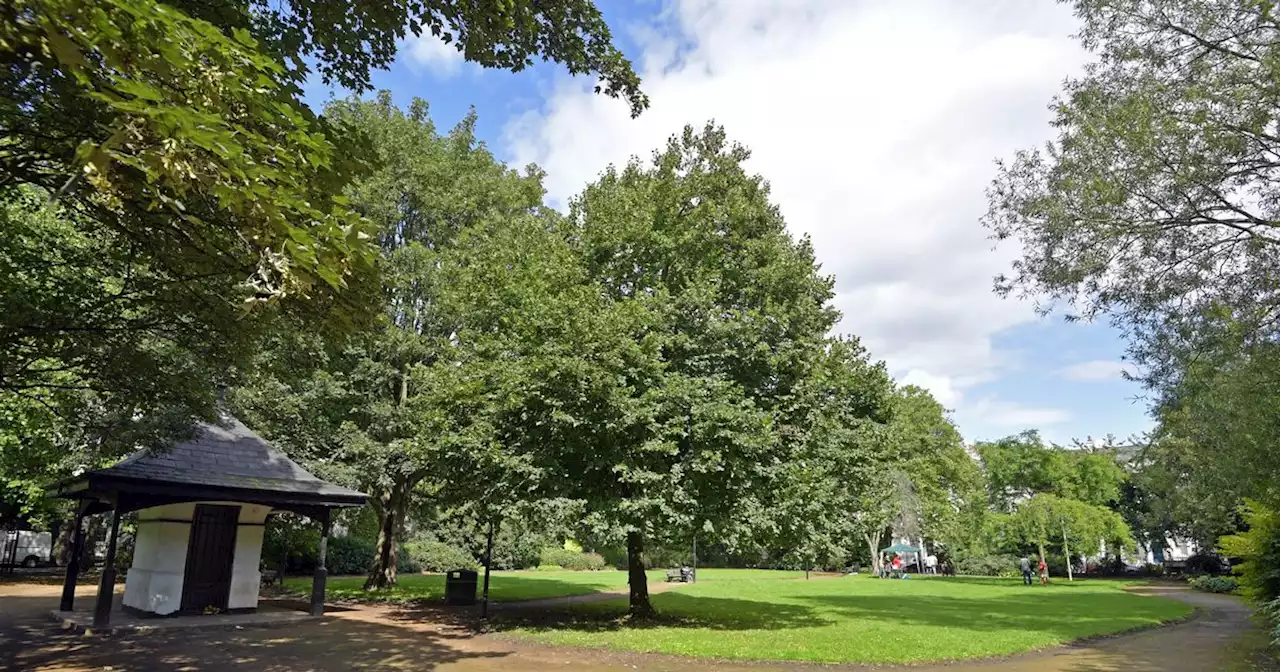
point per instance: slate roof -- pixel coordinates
(227, 456)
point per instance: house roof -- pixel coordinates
(226, 460)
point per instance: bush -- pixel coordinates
(290, 542)
(437, 556)
(1214, 584)
(349, 555)
(567, 559)
(1206, 563)
(981, 564)
(354, 555)
(1259, 548)
(1271, 611)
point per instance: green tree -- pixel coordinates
(165, 196)
(823, 503)
(1047, 520)
(1019, 466)
(946, 481)
(1156, 203)
(661, 400)
(395, 403)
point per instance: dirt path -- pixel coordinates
(394, 638)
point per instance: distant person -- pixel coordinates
(931, 563)
(897, 564)
(1025, 565)
(1044, 573)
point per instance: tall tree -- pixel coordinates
(662, 401)
(1157, 202)
(833, 492)
(401, 407)
(946, 481)
(166, 192)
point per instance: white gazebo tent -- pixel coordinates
(202, 506)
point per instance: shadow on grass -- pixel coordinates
(1065, 617)
(677, 610)
(429, 589)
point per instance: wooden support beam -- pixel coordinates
(73, 562)
(107, 586)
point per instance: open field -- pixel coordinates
(763, 616)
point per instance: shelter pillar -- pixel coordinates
(318, 581)
(107, 586)
(73, 562)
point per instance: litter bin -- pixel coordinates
(460, 587)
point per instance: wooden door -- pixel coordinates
(210, 552)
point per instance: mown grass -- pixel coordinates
(755, 615)
(503, 586)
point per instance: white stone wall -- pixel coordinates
(154, 581)
(245, 574)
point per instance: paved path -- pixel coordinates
(396, 638)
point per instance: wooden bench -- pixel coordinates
(679, 576)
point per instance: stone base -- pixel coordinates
(81, 620)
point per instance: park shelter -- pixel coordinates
(202, 506)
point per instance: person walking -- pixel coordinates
(1044, 573)
(1025, 565)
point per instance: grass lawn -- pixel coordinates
(503, 586)
(756, 615)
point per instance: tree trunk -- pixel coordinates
(640, 606)
(63, 545)
(1067, 552)
(1042, 558)
(391, 511)
(873, 544)
(392, 507)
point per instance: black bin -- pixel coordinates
(460, 587)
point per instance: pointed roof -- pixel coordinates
(226, 460)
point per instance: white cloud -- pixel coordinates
(940, 387)
(1012, 415)
(433, 53)
(1097, 370)
(877, 123)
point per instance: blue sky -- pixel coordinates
(877, 124)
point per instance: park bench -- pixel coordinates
(270, 577)
(683, 575)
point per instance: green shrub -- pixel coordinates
(290, 542)
(437, 556)
(354, 555)
(1214, 584)
(663, 557)
(988, 564)
(1259, 547)
(1271, 611)
(349, 555)
(568, 559)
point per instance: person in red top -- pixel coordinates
(1044, 573)
(897, 564)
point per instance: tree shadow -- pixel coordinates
(429, 589)
(1082, 615)
(677, 610)
(34, 641)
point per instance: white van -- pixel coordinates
(34, 548)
